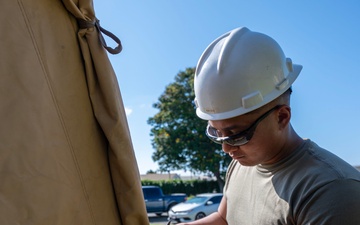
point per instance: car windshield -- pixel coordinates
(197, 200)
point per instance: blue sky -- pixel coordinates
(163, 37)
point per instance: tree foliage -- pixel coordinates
(178, 134)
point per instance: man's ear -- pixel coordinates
(284, 115)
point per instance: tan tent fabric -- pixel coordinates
(66, 155)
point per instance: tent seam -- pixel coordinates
(61, 119)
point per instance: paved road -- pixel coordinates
(158, 220)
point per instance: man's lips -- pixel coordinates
(236, 156)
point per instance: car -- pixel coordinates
(158, 203)
(195, 208)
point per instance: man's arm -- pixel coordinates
(216, 218)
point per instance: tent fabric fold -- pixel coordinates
(66, 155)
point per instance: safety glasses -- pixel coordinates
(240, 138)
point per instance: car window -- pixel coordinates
(216, 199)
(196, 200)
(151, 192)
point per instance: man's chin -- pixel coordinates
(244, 162)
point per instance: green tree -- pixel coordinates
(179, 136)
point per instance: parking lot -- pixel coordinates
(158, 220)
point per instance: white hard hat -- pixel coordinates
(239, 72)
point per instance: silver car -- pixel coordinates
(195, 208)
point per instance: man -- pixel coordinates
(242, 87)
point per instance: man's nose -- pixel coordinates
(228, 148)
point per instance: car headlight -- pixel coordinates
(184, 212)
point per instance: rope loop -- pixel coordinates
(84, 24)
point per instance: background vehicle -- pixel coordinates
(158, 203)
(195, 208)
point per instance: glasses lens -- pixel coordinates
(235, 140)
(213, 134)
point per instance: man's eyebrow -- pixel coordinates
(229, 128)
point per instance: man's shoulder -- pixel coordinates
(318, 160)
(314, 168)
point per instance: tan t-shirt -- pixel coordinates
(310, 187)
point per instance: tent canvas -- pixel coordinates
(66, 155)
